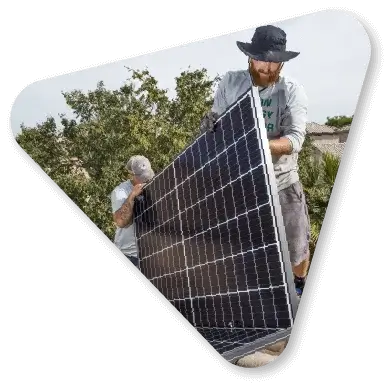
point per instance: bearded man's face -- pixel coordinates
(264, 73)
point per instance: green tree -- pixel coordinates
(86, 155)
(45, 146)
(339, 121)
(317, 177)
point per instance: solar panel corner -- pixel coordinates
(211, 236)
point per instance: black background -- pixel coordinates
(75, 310)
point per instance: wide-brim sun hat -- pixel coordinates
(268, 44)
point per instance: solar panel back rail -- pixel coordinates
(211, 236)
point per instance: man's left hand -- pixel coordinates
(208, 122)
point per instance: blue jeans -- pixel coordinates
(134, 260)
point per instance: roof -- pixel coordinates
(344, 128)
(335, 149)
(322, 129)
(317, 129)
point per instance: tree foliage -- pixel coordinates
(339, 121)
(317, 177)
(86, 155)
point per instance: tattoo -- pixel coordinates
(124, 215)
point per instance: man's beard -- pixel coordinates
(264, 79)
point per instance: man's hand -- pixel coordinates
(281, 146)
(137, 190)
(208, 122)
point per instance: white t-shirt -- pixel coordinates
(125, 238)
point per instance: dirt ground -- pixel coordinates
(263, 356)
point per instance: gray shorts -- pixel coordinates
(296, 220)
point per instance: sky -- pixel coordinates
(334, 56)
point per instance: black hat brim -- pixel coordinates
(267, 56)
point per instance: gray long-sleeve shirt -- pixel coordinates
(285, 111)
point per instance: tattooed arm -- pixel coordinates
(123, 217)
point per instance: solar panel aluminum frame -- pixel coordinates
(237, 353)
(260, 128)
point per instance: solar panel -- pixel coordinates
(211, 237)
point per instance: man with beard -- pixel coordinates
(284, 104)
